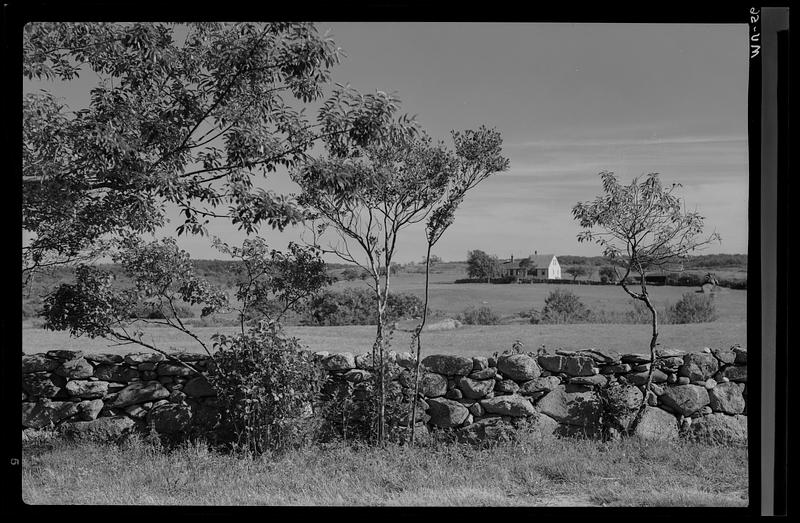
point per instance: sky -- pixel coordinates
(570, 100)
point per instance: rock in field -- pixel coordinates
(38, 363)
(512, 405)
(698, 366)
(518, 367)
(446, 413)
(475, 389)
(85, 389)
(720, 428)
(45, 412)
(101, 429)
(448, 365)
(572, 408)
(75, 369)
(170, 418)
(340, 361)
(685, 399)
(140, 392)
(657, 424)
(727, 398)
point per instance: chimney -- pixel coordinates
(535, 253)
(512, 257)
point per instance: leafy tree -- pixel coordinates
(184, 114)
(367, 198)
(478, 155)
(607, 273)
(577, 270)
(641, 227)
(482, 265)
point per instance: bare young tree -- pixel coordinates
(367, 198)
(641, 227)
(478, 156)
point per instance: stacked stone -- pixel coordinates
(700, 395)
(107, 395)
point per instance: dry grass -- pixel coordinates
(551, 472)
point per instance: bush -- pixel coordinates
(151, 311)
(478, 316)
(357, 307)
(266, 387)
(562, 306)
(693, 307)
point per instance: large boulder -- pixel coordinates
(484, 374)
(487, 429)
(101, 429)
(506, 386)
(170, 418)
(571, 408)
(511, 405)
(601, 356)
(89, 409)
(448, 365)
(741, 355)
(446, 413)
(45, 412)
(432, 385)
(406, 360)
(657, 424)
(340, 361)
(518, 367)
(104, 358)
(64, 355)
(727, 398)
(640, 378)
(38, 363)
(685, 399)
(75, 369)
(718, 428)
(699, 366)
(140, 392)
(475, 389)
(199, 387)
(570, 365)
(724, 356)
(85, 389)
(169, 368)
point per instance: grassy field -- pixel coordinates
(470, 340)
(552, 472)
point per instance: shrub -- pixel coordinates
(562, 306)
(151, 311)
(479, 316)
(357, 307)
(266, 387)
(693, 307)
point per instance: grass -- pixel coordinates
(549, 472)
(469, 340)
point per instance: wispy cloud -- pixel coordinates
(617, 142)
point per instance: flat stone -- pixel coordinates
(38, 363)
(454, 394)
(698, 366)
(570, 365)
(727, 398)
(640, 378)
(685, 399)
(633, 358)
(85, 389)
(340, 361)
(487, 373)
(140, 392)
(75, 369)
(670, 353)
(718, 428)
(116, 373)
(511, 405)
(621, 368)
(143, 357)
(174, 369)
(682, 380)
(64, 355)
(598, 380)
(540, 384)
(170, 418)
(101, 429)
(724, 356)
(475, 389)
(657, 424)
(104, 358)
(672, 363)
(509, 386)
(448, 365)
(447, 413)
(601, 356)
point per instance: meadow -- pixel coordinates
(548, 472)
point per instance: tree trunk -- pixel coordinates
(418, 333)
(653, 343)
(378, 348)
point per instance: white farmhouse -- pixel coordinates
(541, 266)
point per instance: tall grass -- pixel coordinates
(542, 472)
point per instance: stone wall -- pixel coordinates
(699, 394)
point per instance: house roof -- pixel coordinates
(538, 260)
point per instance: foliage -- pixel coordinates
(482, 266)
(479, 316)
(266, 388)
(693, 307)
(270, 283)
(153, 312)
(562, 306)
(184, 114)
(615, 412)
(357, 307)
